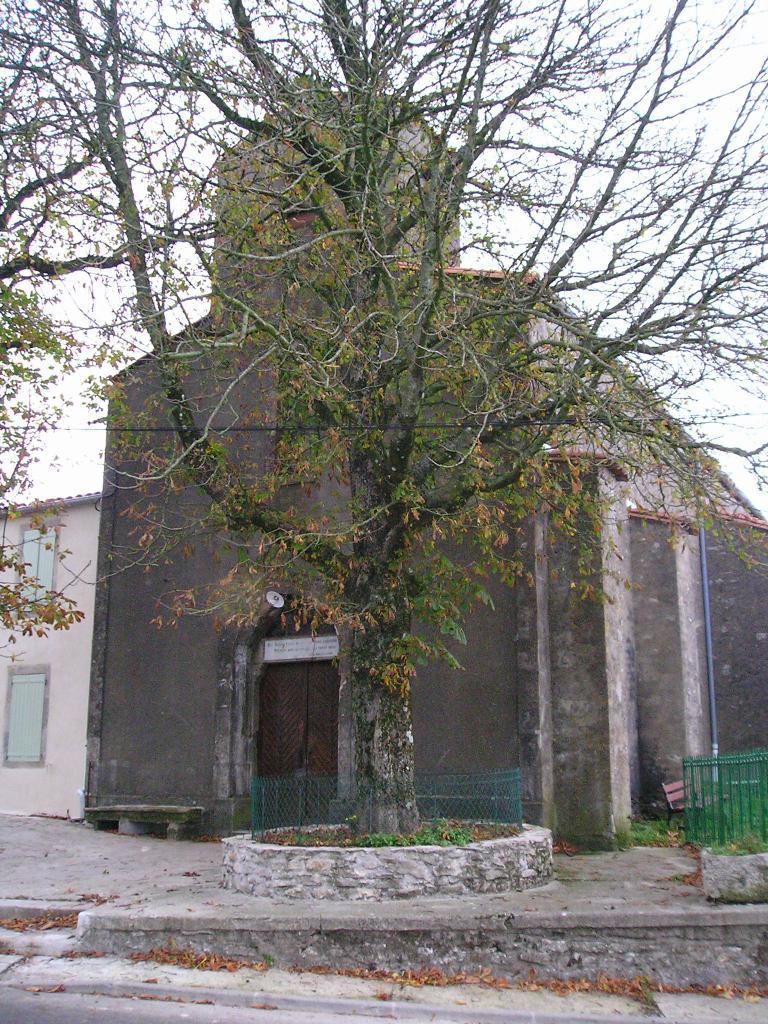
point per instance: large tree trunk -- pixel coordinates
(384, 764)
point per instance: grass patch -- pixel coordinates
(436, 833)
(741, 847)
(651, 832)
(433, 833)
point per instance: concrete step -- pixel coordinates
(702, 946)
(24, 909)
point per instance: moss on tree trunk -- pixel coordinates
(384, 758)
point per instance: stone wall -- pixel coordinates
(465, 720)
(739, 598)
(154, 691)
(671, 678)
(355, 873)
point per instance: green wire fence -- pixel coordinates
(726, 797)
(296, 801)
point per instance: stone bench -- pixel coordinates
(143, 819)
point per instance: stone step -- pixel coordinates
(681, 948)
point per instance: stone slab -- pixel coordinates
(182, 822)
(175, 811)
(741, 878)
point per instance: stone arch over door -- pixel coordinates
(236, 716)
(241, 674)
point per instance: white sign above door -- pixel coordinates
(301, 648)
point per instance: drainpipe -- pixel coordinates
(708, 639)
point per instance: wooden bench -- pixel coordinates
(674, 794)
(141, 819)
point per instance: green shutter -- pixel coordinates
(39, 553)
(25, 719)
(31, 551)
(45, 560)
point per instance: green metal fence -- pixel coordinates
(726, 797)
(473, 796)
(294, 800)
(312, 799)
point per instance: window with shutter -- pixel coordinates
(39, 554)
(26, 718)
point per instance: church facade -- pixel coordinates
(596, 699)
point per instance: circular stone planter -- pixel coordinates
(389, 872)
(735, 878)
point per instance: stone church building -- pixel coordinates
(596, 701)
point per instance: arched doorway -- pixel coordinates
(298, 717)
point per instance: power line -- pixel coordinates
(317, 428)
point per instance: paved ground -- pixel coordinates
(72, 861)
(50, 865)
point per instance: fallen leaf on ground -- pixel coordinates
(431, 976)
(196, 961)
(93, 897)
(637, 988)
(562, 847)
(39, 924)
(694, 878)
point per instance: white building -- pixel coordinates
(44, 680)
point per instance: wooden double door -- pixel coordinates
(298, 719)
